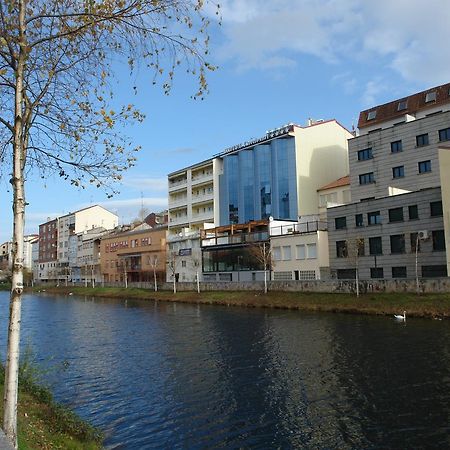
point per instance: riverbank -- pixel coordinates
(44, 424)
(426, 305)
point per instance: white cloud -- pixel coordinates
(410, 38)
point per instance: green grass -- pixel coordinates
(425, 305)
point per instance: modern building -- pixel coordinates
(334, 194)
(236, 252)
(397, 166)
(278, 175)
(134, 255)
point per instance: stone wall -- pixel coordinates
(432, 285)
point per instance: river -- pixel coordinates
(177, 376)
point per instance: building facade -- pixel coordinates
(397, 166)
(278, 175)
(134, 256)
(300, 251)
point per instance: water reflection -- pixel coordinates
(162, 375)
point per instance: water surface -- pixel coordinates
(169, 376)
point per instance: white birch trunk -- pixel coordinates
(198, 282)
(17, 181)
(154, 278)
(174, 284)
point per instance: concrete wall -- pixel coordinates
(321, 157)
(444, 160)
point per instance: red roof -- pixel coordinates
(343, 181)
(410, 105)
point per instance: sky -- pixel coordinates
(278, 62)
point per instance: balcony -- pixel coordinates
(299, 228)
(198, 179)
(204, 217)
(203, 197)
(177, 184)
(174, 221)
(239, 238)
(177, 202)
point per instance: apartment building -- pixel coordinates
(48, 251)
(192, 197)
(134, 255)
(397, 166)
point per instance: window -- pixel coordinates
(402, 104)
(396, 147)
(396, 215)
(277, 253)
(444, 135)
(430, 97)
(435, 209)
(414, 241)
(424, 166)
(312, 251)
(413, 212)
(365, 154)
(341, 249)
(366, 178)
(286, 253)
(374, 218)
(376, 272)
(398, 172)
(438, 240)
(301, 253)
(372, 114)
(340, 222)
(375, 246)
(434, 271)
(399, 272)
(346, 274)
(183, 263)
(397, 243)
(359, 221)
(422, 140)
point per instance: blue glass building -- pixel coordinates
(259, 181)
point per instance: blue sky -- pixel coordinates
(279, 61)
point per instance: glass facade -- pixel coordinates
(259, 182)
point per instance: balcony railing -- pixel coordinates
(241, 238)
(203, 197)
(202, 178)
(173, 185)
(299, 228)
(175, 202)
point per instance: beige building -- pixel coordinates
(134, 255)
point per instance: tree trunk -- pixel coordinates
(174, 284)
(17, 181)
(198, 282)
(265, 280)
(154, 279)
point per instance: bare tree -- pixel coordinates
(262, 252)
(172, 262)
(55, 95)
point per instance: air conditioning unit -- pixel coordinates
(423, 235)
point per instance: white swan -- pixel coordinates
(400, 317)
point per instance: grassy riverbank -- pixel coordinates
(429, 305)
(43, 424)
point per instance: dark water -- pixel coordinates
(184, 376)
